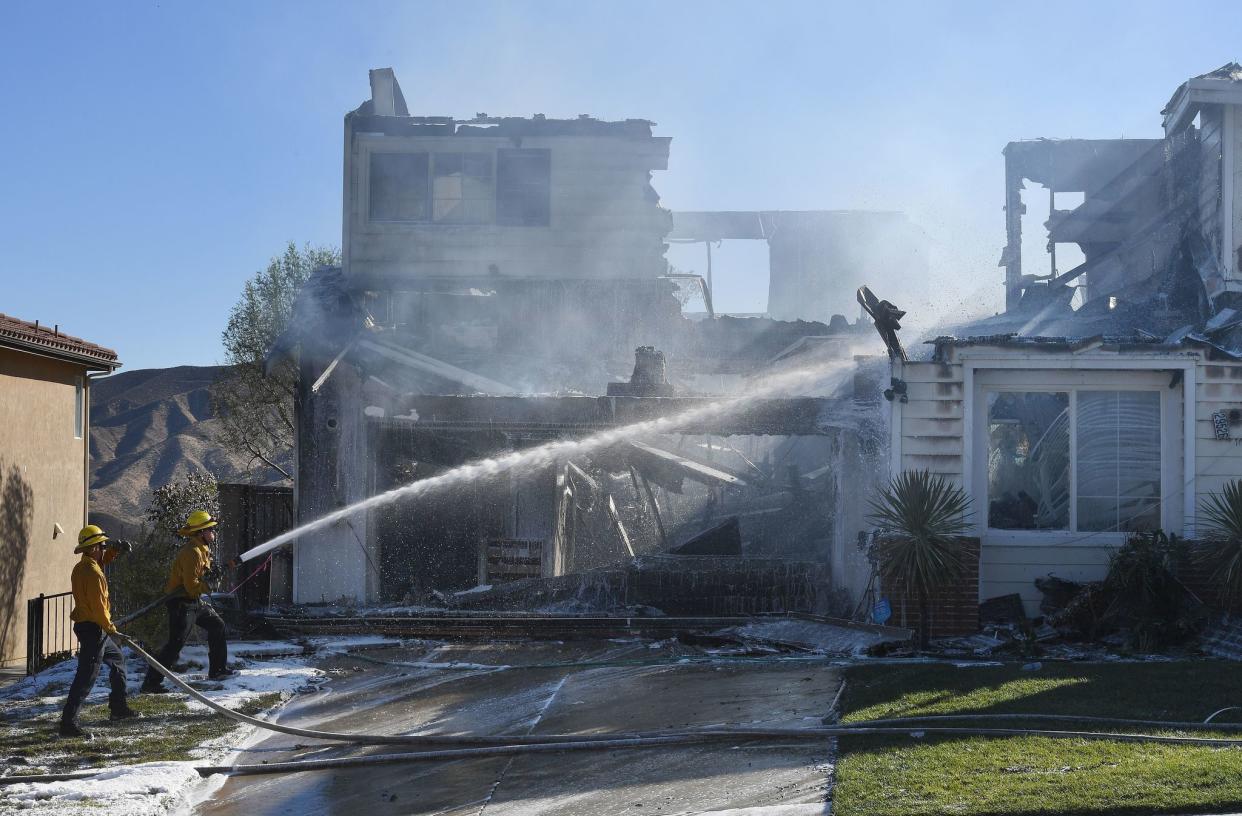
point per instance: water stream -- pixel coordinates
(825, 376)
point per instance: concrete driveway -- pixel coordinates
(790, 778)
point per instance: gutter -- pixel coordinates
(91, 363)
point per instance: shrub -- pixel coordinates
(924, 516)
(172, 503)
(1145, 595)
(136, 580)
(1220, 552)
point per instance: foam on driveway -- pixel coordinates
(733, 779)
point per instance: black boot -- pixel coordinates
(156, 687)
(221, 674)
(68, 728)
(125, 713)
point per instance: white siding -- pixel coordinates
(1217, 461)
(933, 436)
(931, 422)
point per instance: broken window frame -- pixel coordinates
(524, 194)
(475, 187)
(378, 183)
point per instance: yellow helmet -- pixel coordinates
(198, 521)
(89, 537)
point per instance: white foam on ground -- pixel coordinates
(153, 788)
(150, 788)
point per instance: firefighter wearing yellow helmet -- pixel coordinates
(191, 575)
(92, 625)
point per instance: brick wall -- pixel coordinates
(954, 610)
(690, 585)
(681, 585)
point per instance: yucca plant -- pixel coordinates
(922, 516)
(1220, 551)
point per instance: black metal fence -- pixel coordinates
(49, 631)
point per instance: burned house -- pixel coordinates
(1160, 220)
(498, 275)
(1071, 426)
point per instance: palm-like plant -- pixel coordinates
(1221, 549)
(924, 516)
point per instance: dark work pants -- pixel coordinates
(95, 649)
(182, 614)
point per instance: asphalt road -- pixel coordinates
(790, 778)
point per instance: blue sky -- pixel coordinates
(156, 155)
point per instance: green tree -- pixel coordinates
(175, 501)
(253, 400)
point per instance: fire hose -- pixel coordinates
(133, 616)
(485, 746)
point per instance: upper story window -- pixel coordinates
(461, 188)
(463, 191)
(399, 187)
(524, 187)
(1073, 459)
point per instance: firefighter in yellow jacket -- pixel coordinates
(191, 572)
(92, 624)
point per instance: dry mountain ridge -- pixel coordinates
(148, 428)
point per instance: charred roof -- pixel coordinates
(386, 112)
(1222, 86)
(1121, 344)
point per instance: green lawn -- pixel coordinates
(168, 730)
(1029, 775)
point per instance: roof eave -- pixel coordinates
(89, 362)
(1195, 93)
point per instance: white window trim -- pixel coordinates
(974, 363)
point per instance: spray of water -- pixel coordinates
(827, 375)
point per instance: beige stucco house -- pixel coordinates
(44, 453)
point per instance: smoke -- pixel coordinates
(819, 376)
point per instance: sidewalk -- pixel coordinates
(11, 674)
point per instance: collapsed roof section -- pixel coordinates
(1158, 224)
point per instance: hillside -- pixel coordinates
(149, 427)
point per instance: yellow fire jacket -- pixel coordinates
(193, 559)
(90, 593)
